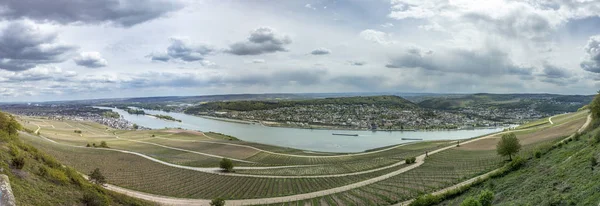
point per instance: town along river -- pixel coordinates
(306, 139)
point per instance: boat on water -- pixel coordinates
(343, 134)
(411, 138)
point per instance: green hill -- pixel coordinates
(383, 101)
(38, 179)
(546, 103)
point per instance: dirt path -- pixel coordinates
(550, 120)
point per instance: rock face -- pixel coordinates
(6, 196)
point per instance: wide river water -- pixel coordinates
(306, 139)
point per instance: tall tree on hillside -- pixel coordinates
(508, 145)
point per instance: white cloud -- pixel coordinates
(377, 37)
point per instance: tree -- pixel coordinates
(97, 178)
(217, 202)
(226, 164)
(135, 126)
(103, 144)
(508, 145)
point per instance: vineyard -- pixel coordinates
(440, 170)
(136, 173)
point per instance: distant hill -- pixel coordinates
(547, 103)
(383, 101)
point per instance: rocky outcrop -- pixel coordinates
(6, 196)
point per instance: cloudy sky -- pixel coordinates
(79, 49)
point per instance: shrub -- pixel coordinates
(94, 198)
(13, 150)
(577, 136)
(593, 162)
(538, 154)
(426, 200)
(410, 160)
(516, 163)
(226, 164)
(75, 177)
(97, 178)
(486, 198)
(18, 162)
(470, 201)
(217, 202)
(596, 138)
(103, 144)
(88, 145)
(58, 176)
(42, 171)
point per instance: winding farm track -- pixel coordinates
(182, 201)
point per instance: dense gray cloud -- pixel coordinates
(481, 62)
(555, 72)
(320, 51)
(556, 75)
(119, 12)
(23, 45)
(90, 60)
(591, 61)
(183, 49)
(262, 40)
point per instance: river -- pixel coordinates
(306, 139)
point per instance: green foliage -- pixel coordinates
(9, 124)
(593, 162)
(18, 162)
(97, 178)
(103, 144)
(78, 131)
(577, 136)
(596, 138)
(410, 160)
(58, 176)
(167, 117)
(111, 114)
(538, 154)
(94, 198)
(217, 202)
(13, 150)
(226, 164)
(426, 200)
(486, 198)
(508, 145)
(135, 126)
(470, 201)
(42, 171)
(382, 101)
(595, 107)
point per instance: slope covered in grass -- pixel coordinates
(38, 179)
(563, 176)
